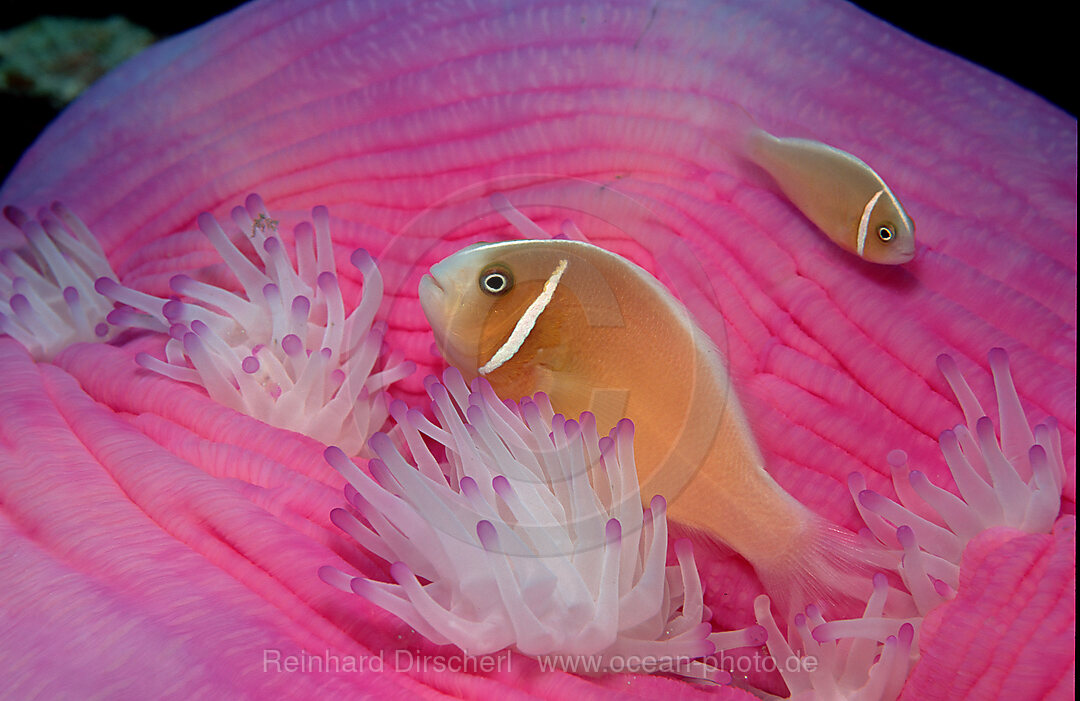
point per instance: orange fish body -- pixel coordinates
(597, 333)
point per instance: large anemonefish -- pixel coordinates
(597, 333)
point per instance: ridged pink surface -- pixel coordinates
(979, 645)
(404, 118)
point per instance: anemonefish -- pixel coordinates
(835, 190)
(597, 333)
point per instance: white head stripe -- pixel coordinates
(865, 221)
(525, 324)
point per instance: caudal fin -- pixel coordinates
(832, 568)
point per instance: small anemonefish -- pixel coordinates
(597, 333)
(838, 192)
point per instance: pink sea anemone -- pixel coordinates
(139, 515)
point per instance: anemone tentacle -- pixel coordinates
(536, 513)
(283, 351)
(836, 659)
(1016, 482)
(47, 295)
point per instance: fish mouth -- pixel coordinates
(431, 281)
(439, 295)
(907, 255)
(439, 277)
(433, 297)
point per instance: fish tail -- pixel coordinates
(732, 127)
(746, 134)
(833, 569)
(741, 147)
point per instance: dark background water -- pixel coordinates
(1030, 45)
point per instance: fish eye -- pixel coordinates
(496, 281)
(885, 233)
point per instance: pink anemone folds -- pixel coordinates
(137, 513)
